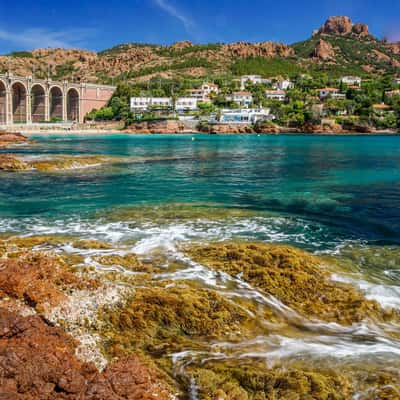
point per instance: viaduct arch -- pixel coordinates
(25, 100)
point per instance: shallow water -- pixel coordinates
(333, 195)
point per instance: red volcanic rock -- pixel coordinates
(337, 26)
(227, 128)
(263, 49)
(324, 50)
(7, 138)
(361, 29)
(38, 279)
(167, 127)
(38, 362)
(343, 26)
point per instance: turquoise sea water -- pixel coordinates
(342, 187)
(334, 195)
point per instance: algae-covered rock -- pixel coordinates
(293, 276)
(161, 318)
(11, 163)
(62, 163)
(228, 380)
(174, 212)
(128, 261)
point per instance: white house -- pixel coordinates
(254, 79)
(186, 104)
(284, 84)
(351, 80)
(392, 93)
(245, 115)
(396, 81)
(144, 103)
(209, 88)
(278, 95)
(242, 98)
(204, 92)
(334, 93)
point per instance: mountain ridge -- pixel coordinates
(338, 47)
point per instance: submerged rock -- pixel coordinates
(232, 380)
(294, 277)
(161, 319)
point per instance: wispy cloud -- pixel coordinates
(175, 12)
(41, 37)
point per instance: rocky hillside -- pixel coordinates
(339, 46)
(343, 46)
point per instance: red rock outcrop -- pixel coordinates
(361, 29)
(343, 25)
(165, 126)
(9, 138)
(38, 278)
(324, 50)
(38, 362)
(263, 49)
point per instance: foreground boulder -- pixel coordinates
(37, 362)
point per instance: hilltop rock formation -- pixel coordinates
(324, 50)
(343, 26)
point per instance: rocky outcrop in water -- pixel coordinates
(162, 126)
(9, 138)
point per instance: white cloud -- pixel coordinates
(173, 11)
(41, 37)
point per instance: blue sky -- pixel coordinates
(96, 25)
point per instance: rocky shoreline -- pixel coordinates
(106, 328)
(179, 127)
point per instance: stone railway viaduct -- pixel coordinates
(25, 100)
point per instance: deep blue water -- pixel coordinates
(350, 185)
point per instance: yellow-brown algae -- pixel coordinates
(295, 277)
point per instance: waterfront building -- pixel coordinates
(183, 104)
(145, 103)
(245, 115)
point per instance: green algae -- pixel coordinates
(294, 277)
(226, 380)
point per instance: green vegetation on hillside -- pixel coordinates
(266, 66)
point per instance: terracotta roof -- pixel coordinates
(329, 89)
(381, 107)
(275, 92)
(241, 93)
